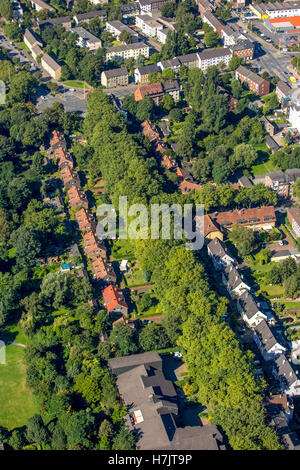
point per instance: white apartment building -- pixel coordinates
(126, 51)
(210, 57)
(116, 27)
(294, 113)
(162, 35)
(148, 25)
(86, 39)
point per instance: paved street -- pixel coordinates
(121, 91)
(72, 101)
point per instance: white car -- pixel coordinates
(280, 242)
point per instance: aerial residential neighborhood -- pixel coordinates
(149, 227)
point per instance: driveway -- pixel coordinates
(275, 247)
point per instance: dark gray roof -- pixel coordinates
(265, 335)
(250, 75)
(284, 88)
(285, 371)
(277, 175)
(133, 360)
(130, 7)
(187, 58)
(216, 52)
(212, 19)
(171, 63)
(171, 85)
(91, 14)
(245, 181)
(154, 399)
(292, 174)
(234, 278)
(291, 441)
(54, 21)
(217, 248)
(197, 438)
(115, 72)
(272, 143)
(242, 44)
(248, 304)
(152, 68)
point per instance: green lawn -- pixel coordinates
(12, 333)
(17, 403)
(76, 84)
(135, 277)
(264, 164)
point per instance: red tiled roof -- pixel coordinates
(166, 161)
(85, 220)
(56, 137)
(102, 269)
(187, 186)
(92, 246)
(76, 195)
(209, 226)
(68, 174)
(253, 216)
(146, 90)
(113, 297)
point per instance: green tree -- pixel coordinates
(211, 39)
(152, 336)
(122, 338)
(27, 246)
(243, 238)
(36, 431)
(6, 9)
(124, 440)
(167, 102)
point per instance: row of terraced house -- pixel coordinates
(256, 316)
(94, 248)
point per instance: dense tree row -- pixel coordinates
(221, 374)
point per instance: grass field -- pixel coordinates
(17, 403)
(263, 165)
(76, 84)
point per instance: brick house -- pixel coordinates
(93, 247)
(77, 198)
(156, 91)
(256, 218)
(277, 181)
(283, 91)
(243, 48)
(213, 22)
(85, 220)
(114, 300)
(57, 139)
(64, 158)
(103, 271)
(254, 81)
(293, 214)
(69, 177)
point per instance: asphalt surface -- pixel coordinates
(73, 101)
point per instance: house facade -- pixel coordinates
(256, 83)
(114, 77)
(250, 311)
(268, 345)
